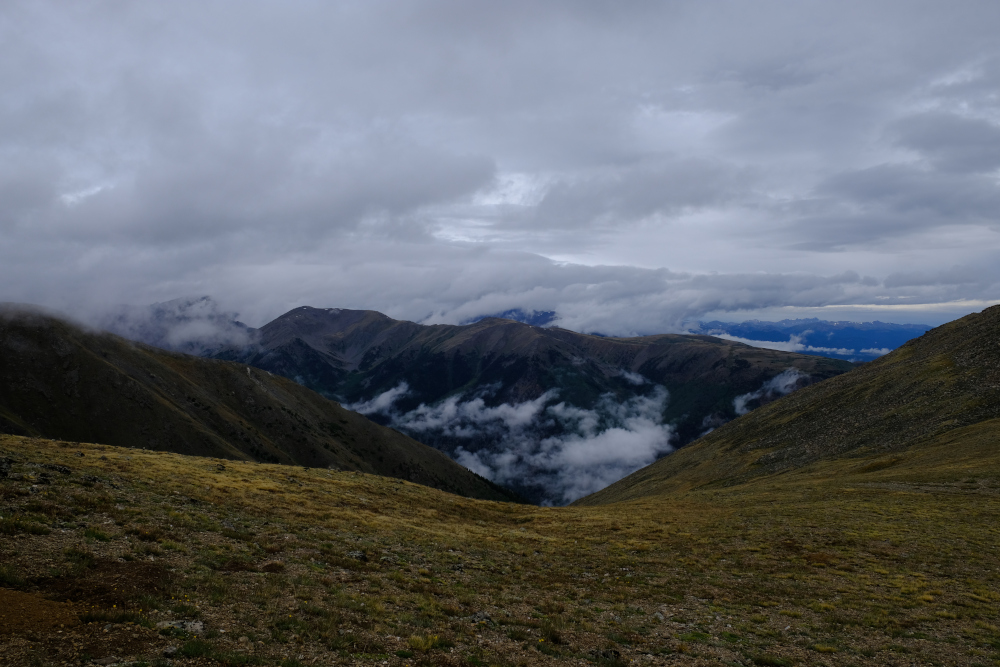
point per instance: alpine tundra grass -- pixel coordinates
(113, 553)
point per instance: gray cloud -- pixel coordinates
(438, 160)
(891, 202)
(952, 142)
(627, 193)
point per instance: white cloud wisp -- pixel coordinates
(558, 450)
(780, 385)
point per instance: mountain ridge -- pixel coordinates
(59, 381)
(943, 387)
(549, 412)
(363, 340)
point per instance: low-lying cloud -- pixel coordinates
(780, 385)
(545, 446)
(195, 326)
(795, 344)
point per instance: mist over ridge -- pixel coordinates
(550, 413)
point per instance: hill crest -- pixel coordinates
(58, 380)
(936, 388)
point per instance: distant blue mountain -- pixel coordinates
(854, 341)
(537, 318)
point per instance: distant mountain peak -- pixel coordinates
(536, 318)
(195, 325)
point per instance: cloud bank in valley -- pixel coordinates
(543, 445)
(627, 167)
(795, 344)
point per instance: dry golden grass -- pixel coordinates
(288, 566)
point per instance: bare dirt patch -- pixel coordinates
(22, 613)
(108, 583)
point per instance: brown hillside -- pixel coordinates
(933, 402)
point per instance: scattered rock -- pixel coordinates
(244, 640)
(481, 617)
(5, 465)
(170, 651)
(608, 655)
(194, 627)
(55, 467)
(110, 660)
(458, 567)
(658, 616)
(358, 555)
(220, 467)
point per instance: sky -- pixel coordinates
(631, 166)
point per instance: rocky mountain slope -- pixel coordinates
(932, 404)
(60, 381)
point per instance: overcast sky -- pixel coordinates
(630, 165)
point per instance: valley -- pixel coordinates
(550, 413)
(852, 522)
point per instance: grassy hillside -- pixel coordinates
(933, 404)
(59, 381)
(847, 562)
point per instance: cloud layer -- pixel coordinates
(549, 450)
(795, 344)
(627, 166)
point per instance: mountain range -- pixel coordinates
(853, 341)
(551, 413)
